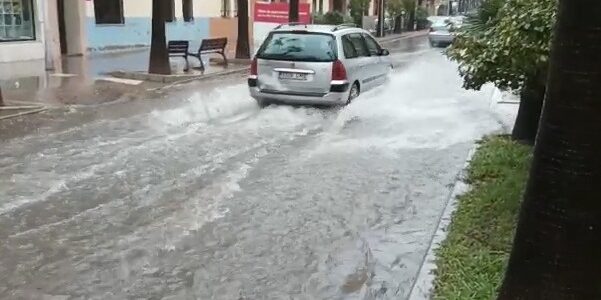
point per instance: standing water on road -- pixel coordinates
(217, 199)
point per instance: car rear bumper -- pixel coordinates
(440, 38)
(337, 95)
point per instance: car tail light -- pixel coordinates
(253, 67)
(338, 70)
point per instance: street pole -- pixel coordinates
(381, 18)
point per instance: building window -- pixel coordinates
(188, 9)
(170, 17)
(16, 20)
(226, 8)
(108, 11)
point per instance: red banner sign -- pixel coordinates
(278, 13)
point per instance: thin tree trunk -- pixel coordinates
(242, 46)
(527, 120)
(411, 19)
(1, 99)
(159, 57)
(293, 11)
(398, 23)
(557, 248)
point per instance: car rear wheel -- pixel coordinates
(354, 93)
(263, 103)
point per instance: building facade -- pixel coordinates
(21, 33)
(46, 30)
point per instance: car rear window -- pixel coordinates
(299, 46)
(440, 28)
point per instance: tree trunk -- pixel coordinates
(1, 99)
(293, 11)
(411, 20)
(159, 57)
(337, 5)
(527, 120)
(398, 23)
(557, 248)
(242, 46)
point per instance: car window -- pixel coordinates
(372, 45)
(359, 44)
(440, 28)
(348, 47)
(298, 46)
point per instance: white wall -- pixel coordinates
(19, 51)
(208, 8)
(143, 8)
(260, 32)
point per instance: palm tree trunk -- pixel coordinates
(531, 104)
(242, 45)
(159, 57)
(557, 248)
(293, 11)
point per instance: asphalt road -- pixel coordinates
(202, 195)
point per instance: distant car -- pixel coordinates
(317, 64)
(440, 34)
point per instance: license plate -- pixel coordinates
(292, 76)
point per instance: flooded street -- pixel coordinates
(209, 197)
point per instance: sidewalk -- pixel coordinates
(399, 36)
(86, 80)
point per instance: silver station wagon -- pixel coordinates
(317, 64)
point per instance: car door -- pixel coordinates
(365, 70)
(381, 62)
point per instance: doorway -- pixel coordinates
(71, 26)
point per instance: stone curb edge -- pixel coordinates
(242, 70)
(424, 283)
(23, 113)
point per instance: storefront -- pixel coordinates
(19, 39)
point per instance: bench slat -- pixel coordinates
(213, 44)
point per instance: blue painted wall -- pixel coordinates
(136, 32)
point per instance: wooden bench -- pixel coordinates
(179, 49)
(208, 46)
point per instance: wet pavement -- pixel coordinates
(199, 194)
(85, 80)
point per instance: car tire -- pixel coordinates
(353, 93)
(263, 103)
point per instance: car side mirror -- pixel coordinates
(384, 52)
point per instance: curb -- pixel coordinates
(29, 112)
(424, 283)
(174, 78)
(402, 37)
(205, 77)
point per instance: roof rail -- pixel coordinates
(290, 24)
(344, 25)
